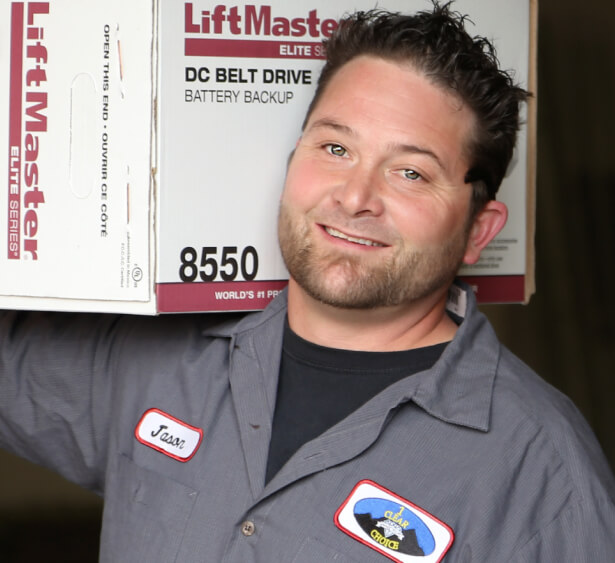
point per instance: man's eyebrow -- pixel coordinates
(415, 149)
(393, 147)
(332, 124)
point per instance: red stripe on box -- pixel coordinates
(253, 49)
(15, 122)
(497, 289)
(254, 296)
(216, 296)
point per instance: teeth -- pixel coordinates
(364, 241)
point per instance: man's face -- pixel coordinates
(375, 209)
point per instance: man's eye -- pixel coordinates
(336, 150)
(410, 174)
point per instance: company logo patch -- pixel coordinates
(168, 435)
(393, 526)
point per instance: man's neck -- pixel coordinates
(381, 329)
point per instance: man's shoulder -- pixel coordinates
(532, 410)
(528, 390)
(229, 325)
(177, 327)
(520, 390)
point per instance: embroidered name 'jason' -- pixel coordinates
(168, 435)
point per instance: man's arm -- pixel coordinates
(55, 390)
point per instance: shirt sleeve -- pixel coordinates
(582, 533)
(55, 390)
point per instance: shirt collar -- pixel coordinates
(457, 389)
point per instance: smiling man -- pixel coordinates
(369, 414)
(376, 215)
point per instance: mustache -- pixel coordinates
(361, 227)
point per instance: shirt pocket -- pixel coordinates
(145, 514)
(313, 551)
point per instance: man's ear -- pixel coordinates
(486, 225)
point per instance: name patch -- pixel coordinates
(393, 526)
(168, 435)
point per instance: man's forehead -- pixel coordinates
(387, 69)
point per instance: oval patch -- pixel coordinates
(168, 435)
(394, 526)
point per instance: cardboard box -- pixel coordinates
(146, 142)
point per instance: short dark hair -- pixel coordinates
(436, 44)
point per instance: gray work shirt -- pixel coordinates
(170, 419)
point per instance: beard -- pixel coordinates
(348, 281)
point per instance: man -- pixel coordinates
(356, 418)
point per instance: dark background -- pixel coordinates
(566, 333)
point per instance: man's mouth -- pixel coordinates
(337, 234)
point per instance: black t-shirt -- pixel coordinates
(319, 386)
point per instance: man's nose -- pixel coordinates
(359, 192)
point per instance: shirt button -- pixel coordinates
(248, 528)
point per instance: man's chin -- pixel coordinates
(342, 301)
(343, 293)
(358, 290)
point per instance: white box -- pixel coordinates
(146, 144)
